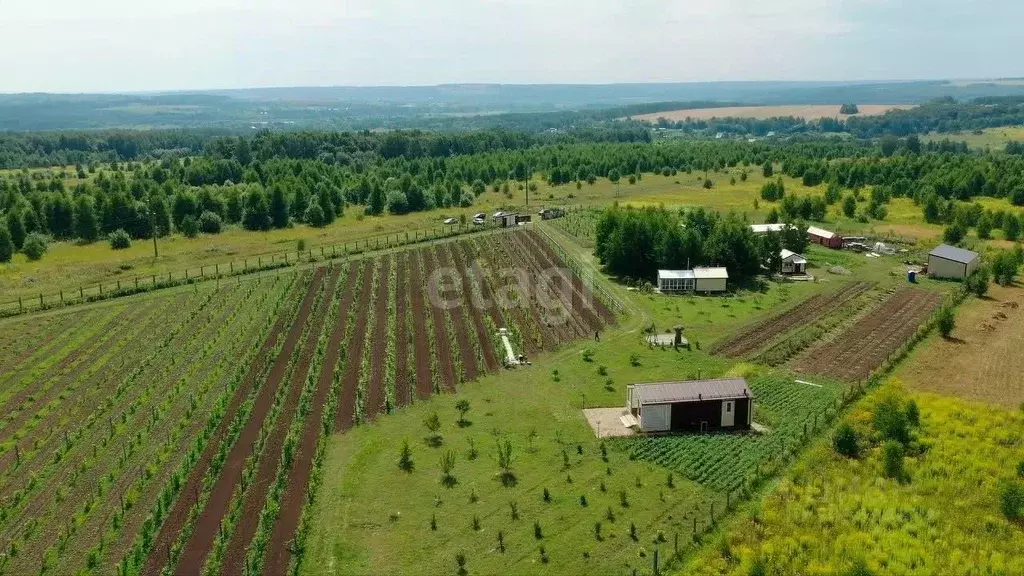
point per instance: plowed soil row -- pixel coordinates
(490, 252)
(550, 324)
(200, 543)
(582, 303)
(403, 390)
(458, 314)
(28, 337)
(375, 395)
(761, 333)
(349, 393)
(441, 342)
(294, 498)
(188, 496)
(269, 461)
(476, 276)
(424, 383)
(865, 346)
(475, 313)
(602, 310)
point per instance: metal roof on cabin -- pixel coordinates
(692, 391)
(797, 258)
(947, 252)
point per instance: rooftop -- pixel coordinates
(710, 273)
(790, 255)
(691, 391)
(947, 252)
(676, 274)
(820, 232)
(762, 228)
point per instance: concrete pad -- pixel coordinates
(605, 422)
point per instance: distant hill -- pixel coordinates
(444, 107)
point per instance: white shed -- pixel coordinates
(947, 261)
(793, 263)
(710, 279)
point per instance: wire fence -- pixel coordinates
(257, 263)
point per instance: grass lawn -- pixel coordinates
(994, 138)
(373, 518)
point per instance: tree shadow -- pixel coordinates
(434, 441)
(463, 423)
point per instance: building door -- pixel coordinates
(728, 414)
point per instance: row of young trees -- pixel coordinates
(634, 243)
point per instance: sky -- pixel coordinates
(146, 45)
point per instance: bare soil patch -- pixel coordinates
(982, 359)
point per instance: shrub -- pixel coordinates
(946, 321)
(462, 406)
(588, 355)
(602, 370)
(892, 459)
(890, 420)
(1020, 469)
(35, 246)
(447, 465)
(119, 240)
(538, 532)
(547, 495)
(1011, 500)
(583, 500)
(460, 561)
(913, 414)
(210, 223)
(845, 441)
(190, 226)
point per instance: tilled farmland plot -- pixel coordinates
(760, 334)
(185, 433)
(865, 346)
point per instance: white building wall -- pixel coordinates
(942, 268)
(656, 417)
(711, 284)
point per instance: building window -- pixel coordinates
(728, 406)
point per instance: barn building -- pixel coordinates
(793, 263)
(824, 237)
(947, 261)
(696, 280)
(694, 406)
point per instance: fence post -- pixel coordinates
(168, 277)
(245, 264)
(154, 280)
(81, 293)
(186, 274)
(216, 269)
(321, 251)
(118, 285)
(101, 288)
(231, 266)
(136, 282)
(202, 271)
(61, 296)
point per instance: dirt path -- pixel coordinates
(195, 551)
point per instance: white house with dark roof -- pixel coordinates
(696, 405)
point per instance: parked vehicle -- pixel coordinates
(451, 221)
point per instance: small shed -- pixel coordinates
(824, 237)
(793, 263)
(676, 280)
(695, 405)
(550, 213)
(947, 261)
(710, 279)
(506, 219)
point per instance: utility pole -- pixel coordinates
(152, 231)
